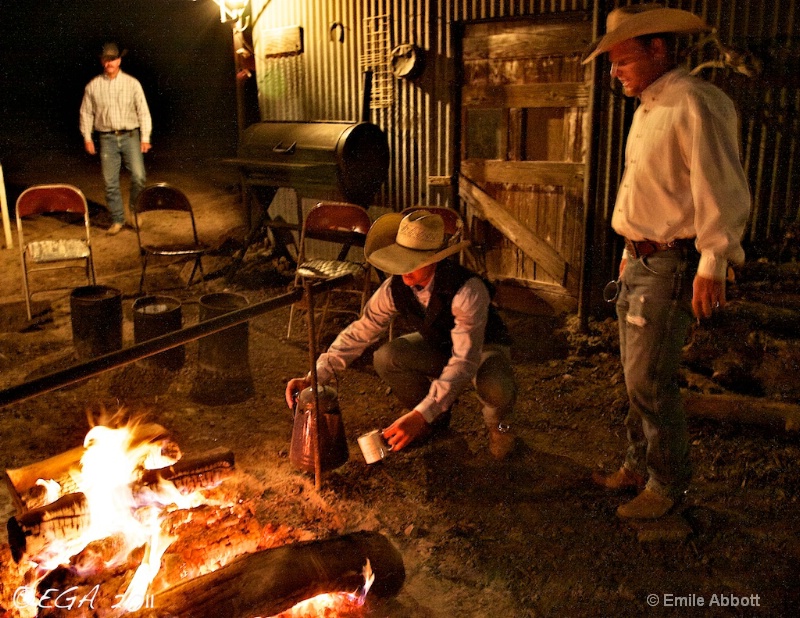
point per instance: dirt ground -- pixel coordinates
(527, 537)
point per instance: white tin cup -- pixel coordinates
(373, 447)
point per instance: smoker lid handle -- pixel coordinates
(279, 149)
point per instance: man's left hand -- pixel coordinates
(405, 430)
(145, 147)
(708, 295)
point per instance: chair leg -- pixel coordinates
(291, 316)
(198, 265)
(90, 272)
(25, 287)
(323, 317)
(365, 293)
(144, 268)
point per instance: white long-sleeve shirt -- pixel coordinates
(115, 104)
(683, 177)
(470, 308)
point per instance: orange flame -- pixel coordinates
(113, 461)
(332, 604)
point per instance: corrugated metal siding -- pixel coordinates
(323, 83)
(769, 108)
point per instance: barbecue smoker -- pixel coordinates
(326, 160)
(336, 160)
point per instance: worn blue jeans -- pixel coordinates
(116, 150)
(409, 363)
(655, 314)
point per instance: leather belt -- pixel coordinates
(122, 132)
(643, 248)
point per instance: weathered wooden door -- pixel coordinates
(525, 127)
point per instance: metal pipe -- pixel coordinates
(366, 96)
(116, 359)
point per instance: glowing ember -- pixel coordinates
(334, 604)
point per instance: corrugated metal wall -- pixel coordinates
(323, 83)
(768, 107)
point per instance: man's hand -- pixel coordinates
(145, 147)
(708, 295)
(405, 430)
(295, 385)
(89, 146)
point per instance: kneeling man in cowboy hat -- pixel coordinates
(459, 336)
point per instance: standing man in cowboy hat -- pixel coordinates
(460, 338)
(115, 107)
(682, 206)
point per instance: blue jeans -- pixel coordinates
(114, 151)
(409, 363)
(655, 314)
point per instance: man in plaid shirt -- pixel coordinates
(115, 107)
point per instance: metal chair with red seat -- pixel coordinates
(68, 251)
(335, 227)
(171, 237)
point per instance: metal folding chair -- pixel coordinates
(67, 251)
(337, 227)
(165, 227)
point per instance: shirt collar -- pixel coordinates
(652, 92)
(418, 288)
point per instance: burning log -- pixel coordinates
(194, 473)
(62, 468)
(60, 521)
(66, 519)
(23, 482)
(274, 580)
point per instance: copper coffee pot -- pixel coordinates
(333, 450)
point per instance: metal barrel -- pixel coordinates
(96, 316)
(223, 365)
(154, 316)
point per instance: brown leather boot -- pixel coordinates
(647, 505)
(621, 480)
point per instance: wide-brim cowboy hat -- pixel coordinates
(398, 244)
(111, 51)
(642, 19)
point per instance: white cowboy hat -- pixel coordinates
(398, 244)
(629, 22)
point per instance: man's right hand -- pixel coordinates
(293, 387)
(89, 146)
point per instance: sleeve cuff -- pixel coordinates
(712, 267)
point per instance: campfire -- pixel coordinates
(128, 525)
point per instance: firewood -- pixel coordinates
(30, 534)
(193, 473)
(64, 467)
(743, 409)
(274, 580)
(772, 318)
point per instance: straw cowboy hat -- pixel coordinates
(398, 244)
(640, 19)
